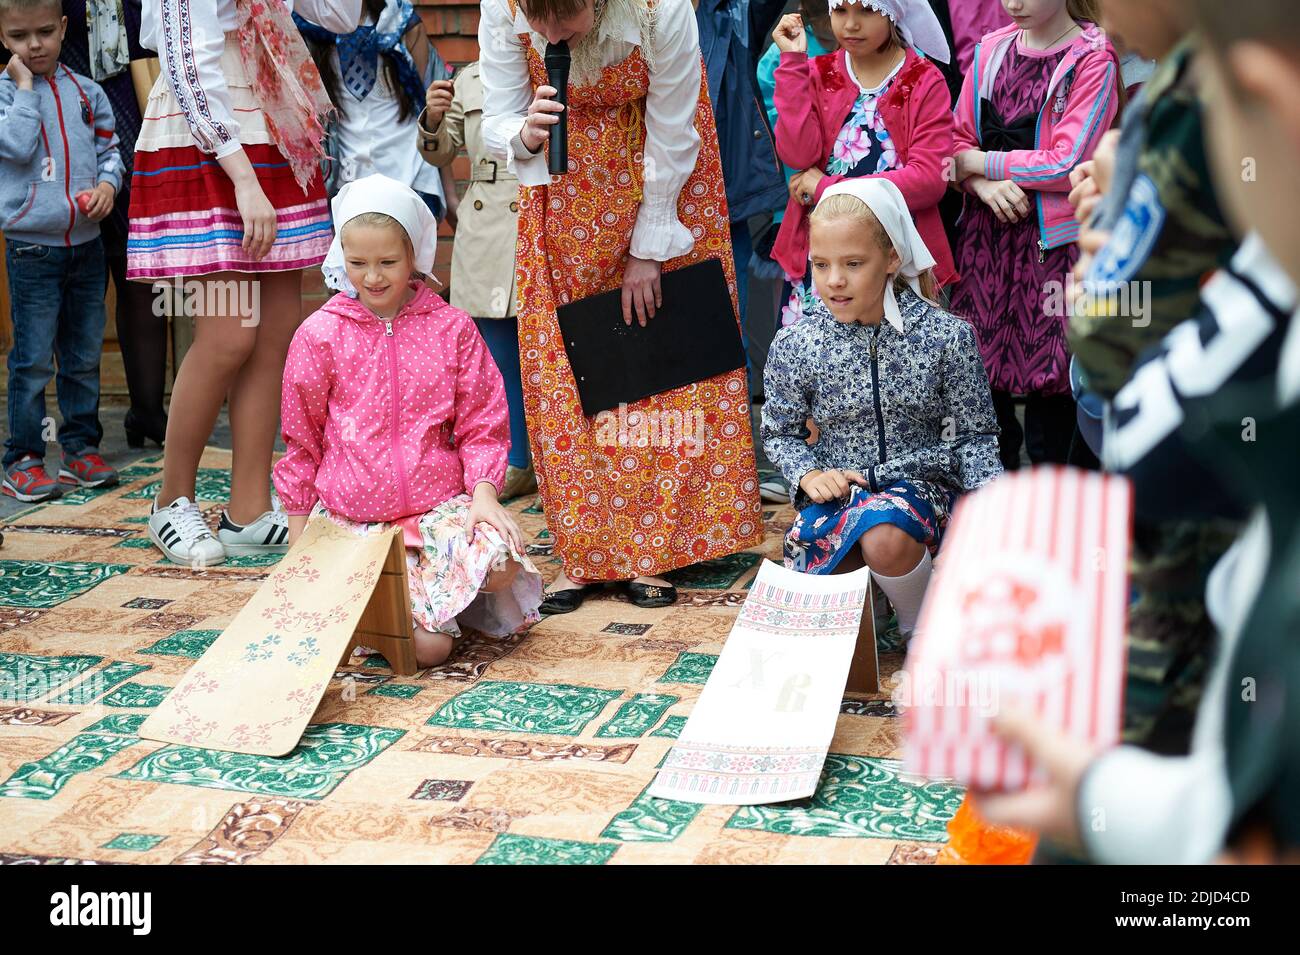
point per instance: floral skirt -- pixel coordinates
(447, 573)
(823, 533)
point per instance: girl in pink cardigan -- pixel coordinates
(1038, 98)
(394, 413)
(871, 108)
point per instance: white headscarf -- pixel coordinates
(887, 204)
(380, 194)
(915, 20)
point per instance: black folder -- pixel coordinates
(693, 336)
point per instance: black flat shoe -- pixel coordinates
(139, 428)
(565, 601)
(650, 596)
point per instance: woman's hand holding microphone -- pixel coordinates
(543, 113)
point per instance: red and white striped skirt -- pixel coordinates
(183, 216)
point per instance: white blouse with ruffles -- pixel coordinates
(672, 143)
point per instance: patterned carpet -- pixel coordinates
(533, 750)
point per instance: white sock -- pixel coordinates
(907, 592)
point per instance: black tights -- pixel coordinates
(142, 336)
(1048, 431)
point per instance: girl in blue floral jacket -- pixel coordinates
(898, 391)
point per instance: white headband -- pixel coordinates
(915, 20)
(889, 207)
(380, 194)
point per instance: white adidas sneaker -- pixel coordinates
(269, 534)
(179, 531)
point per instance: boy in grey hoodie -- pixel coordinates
(60, 170)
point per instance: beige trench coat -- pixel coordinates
(483, 253)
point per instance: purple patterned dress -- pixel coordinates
(1004, 285)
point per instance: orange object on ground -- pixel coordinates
(972, 841)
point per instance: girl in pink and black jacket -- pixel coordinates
(1039, 96)
(393, 413)
(871, 108)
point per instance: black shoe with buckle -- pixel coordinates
(649, 596)
(565, 601)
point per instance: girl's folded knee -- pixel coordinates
(887, 549)
(432, 648)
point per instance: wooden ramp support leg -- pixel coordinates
(864, 671)
(385, 625)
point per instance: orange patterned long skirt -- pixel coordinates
(623, 496)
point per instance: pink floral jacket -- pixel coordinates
(813, 98)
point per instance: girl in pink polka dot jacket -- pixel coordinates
(394, 413)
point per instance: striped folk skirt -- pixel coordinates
(183, 216)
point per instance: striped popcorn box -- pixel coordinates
(1028, 609)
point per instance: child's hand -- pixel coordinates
(19, 73)
(1049, 809)
(486, 509)
(1084, 195)
(101, 201)
(1007, 200)
(1103, 160)
(803, 185)
(436, 103)
(789, 36)
(823, 486)
(297, 524)
(969, 162)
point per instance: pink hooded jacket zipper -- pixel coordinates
(386, 420)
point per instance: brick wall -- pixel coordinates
(453, 27)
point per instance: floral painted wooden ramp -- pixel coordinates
(536, 749)
(257, 686)
(760, 731)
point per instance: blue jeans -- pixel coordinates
(502, 338)
(58, 315)
(435, 205)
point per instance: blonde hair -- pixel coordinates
(844, 206)
(1088, 10)
(381, 220)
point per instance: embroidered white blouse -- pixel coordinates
(672, 143)
(195, 35)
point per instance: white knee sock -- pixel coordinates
(907, 592)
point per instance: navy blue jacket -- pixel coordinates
(731, 38)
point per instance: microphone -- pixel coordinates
(557, 75)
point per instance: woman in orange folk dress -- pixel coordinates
(670, 480)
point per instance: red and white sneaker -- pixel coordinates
(87, 470)
(28, 481)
